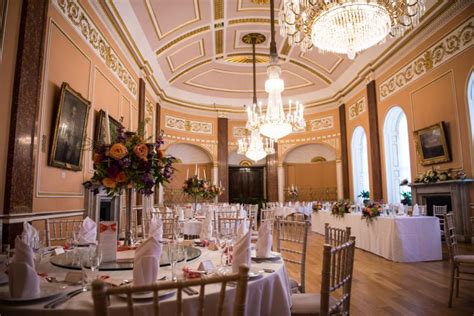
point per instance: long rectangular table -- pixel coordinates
(400, 238)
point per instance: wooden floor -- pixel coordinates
(382, 287)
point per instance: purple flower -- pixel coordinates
(125, 163)
(113, 171)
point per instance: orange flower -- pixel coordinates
(97, 158)
(118, 151)
(141, 150)
(109, 183)
(160, 154)
(121, 177)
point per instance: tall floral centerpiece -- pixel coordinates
(293, 193)
(128, 164)
(195, 188)
(213, 191)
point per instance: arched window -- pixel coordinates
(360, 161)
(470, 102)
(397, 153)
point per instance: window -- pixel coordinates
(360, 161)
(470, 102)
(397, 153)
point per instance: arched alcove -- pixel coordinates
(236, 159)
(189, 153)
(397, 153)
(360, 161)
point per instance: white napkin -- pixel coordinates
(206, 228)
(233, 208)
(242, 213)
(88, 231)
(180, 214)
(156, 228)
(241, 252)
(416, 210)
(146, 262)
(23, 280)
(243, 228)
(29, 235)
(265, 239)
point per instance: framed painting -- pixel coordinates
(70, 130)
(100, 136)
(431, 144)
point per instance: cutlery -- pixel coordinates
(66, 298)
(190, 291)
(48, 305)
(163, 278)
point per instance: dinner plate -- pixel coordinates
(47, 291)
(275, 256)
(255, 275)
(149, 295)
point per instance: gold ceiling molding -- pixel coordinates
(357, 108)
(330, 70)
(219, 42)
(184, 125)
(261, 1)
(182, 37)
(201, 63)
(251, 21)
(449, 46)
(241, 8)
(156, 26)
(73, 12)
(189, 139)
(202, 53)
(248, 59)
(265, 44)
(286, 48)
(218, 9)
(313, 71)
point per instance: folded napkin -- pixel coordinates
(87, 231)
(29, 235)
(23, 280)
(180, 214)
(264, 242)
(242, 213)
(241, 252)
(206, 228)
(146, 262)
(156, 228)
(416, 210)
(243, 228)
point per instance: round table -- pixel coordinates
(192, 227)
(267, 295)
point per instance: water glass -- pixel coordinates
(95, 257)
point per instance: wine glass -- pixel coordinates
(221, 243)
(174, 256)
(95, 257)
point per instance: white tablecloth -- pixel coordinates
(268, 295)
(401, 239)
(284, 211)
(192, 227)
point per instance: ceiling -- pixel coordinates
(196, 54)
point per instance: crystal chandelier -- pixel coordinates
(347, 26)
(275, 124)
(255, 147)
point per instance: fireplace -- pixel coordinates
(101, 207)
(454, 194)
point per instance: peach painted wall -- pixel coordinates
(312, 177)
(69, 59)
(7, 73)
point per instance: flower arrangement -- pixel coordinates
(213, 191)
(371, 211)
(317, 206)
(293, 192)
(130, 162)
(340, 208)
(196, 187)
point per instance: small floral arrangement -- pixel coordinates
(196, 187)
(130, 162)
(213, 191)
(433, 175)
(371, 211)
(340, 208)
(317, 206)
(293, 192)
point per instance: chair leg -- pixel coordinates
(451, 289)
(457, 282)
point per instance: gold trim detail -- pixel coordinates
(248, 59)
(156, 26)
(251, 21)
(219, 37)
(357, 108)
(313, 71)
(330, 70)
(453, 43)
(189, 69)
(241, 8)
(322, 123)
(202, 53)
(184, 125)
(286, 48)
(182, 37)
(218, 9)
(73, 12)
(240, 131)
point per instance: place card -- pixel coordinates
(73, 277)
(108, 240)
(206, 265)
(58, 251)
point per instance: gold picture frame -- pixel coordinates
(70, 130)
(431, 145)
(100, 128)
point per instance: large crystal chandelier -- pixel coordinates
(255, 147)
(275, 124)
(347, 26)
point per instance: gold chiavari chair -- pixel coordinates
(458, 262)
(252, 215)
(229, 225)
(101, 294)
(60, 230)
(267, 215)
(338, 263)
(336, 236)
(439, 211)
(292, 243)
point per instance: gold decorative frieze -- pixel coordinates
(176, 138)
(219, 41)
(239, 131)
(357, 108)
(218, 9)
(322, 123)
(286, 48)
(75, 14)
(184, 125)
(251, 21)
(181, 38)
(452, 44)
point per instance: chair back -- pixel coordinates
(292, 241)
(170, 226)
(440, 210)
(101, 294)
(252, 215)
(60, 230)
(336, 236)
(267, 215)
(338, 263)
(229, 225)
(450, 235)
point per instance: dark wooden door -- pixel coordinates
(245, 184)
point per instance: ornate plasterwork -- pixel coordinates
(181, 124)
(333, 140)
(239, 131)
(209, 145)
(322, 123)
(83, 24)
(357, 108)
(449, 46)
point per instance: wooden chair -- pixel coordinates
(338, 263)
(267, 215)
(336, 236)
(292, 241)
(101, 294)
(300, 217)
(60, 230)
(439, 211)
(458, 262)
